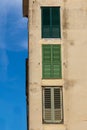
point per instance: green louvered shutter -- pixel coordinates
(56, 22)
(45, 22)
(51, 22)
(46, 61)
(51, 61)
(56, 61)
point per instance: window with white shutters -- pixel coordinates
(52, 105)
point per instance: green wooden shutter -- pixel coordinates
(56, 61)
(51, 61)
(51, 22)
(45, 22)
(56, 22)
(46, 61)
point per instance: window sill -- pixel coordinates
(52, 82)
(51, 41)
(54, 126)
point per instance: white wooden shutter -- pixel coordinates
(47, 104)
(58, 104)
(52, 104)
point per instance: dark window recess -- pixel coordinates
(51, 22)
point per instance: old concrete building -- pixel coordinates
(57, 74)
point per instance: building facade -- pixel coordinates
(57, 74)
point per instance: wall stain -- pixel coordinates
(33, 90)
(39, 63)
(71, 43)
(65, 64)
(65, 19)
(31, 129)
(35, 83)
(33, 16)
(65, 35)
(65, 0)
(69, 83)
(84, 120)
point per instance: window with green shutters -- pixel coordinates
(51, 61)
(51, 22)
(52, 105)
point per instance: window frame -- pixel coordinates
(59, 76)
(52, 121)
(50, 25)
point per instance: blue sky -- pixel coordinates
(13, 52)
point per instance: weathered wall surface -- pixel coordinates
(74, 62)
(75, 44)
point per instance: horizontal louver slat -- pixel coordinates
(51, 61)
(57, 71)
(55, 31)
(57, 104)
(56, 22)
(46, 61)
(48, 114)
(46, 31)
(46, 71)
(47, 98)
(52, 105)
(45, 22)
(51, 22)
(57, 113)
(56, 54)
(56, 61)
(57, 98)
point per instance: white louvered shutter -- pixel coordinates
(57, 105)
(52, 105)
(47, 104)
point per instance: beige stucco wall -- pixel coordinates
(74, 64)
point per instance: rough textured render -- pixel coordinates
(74, 64)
